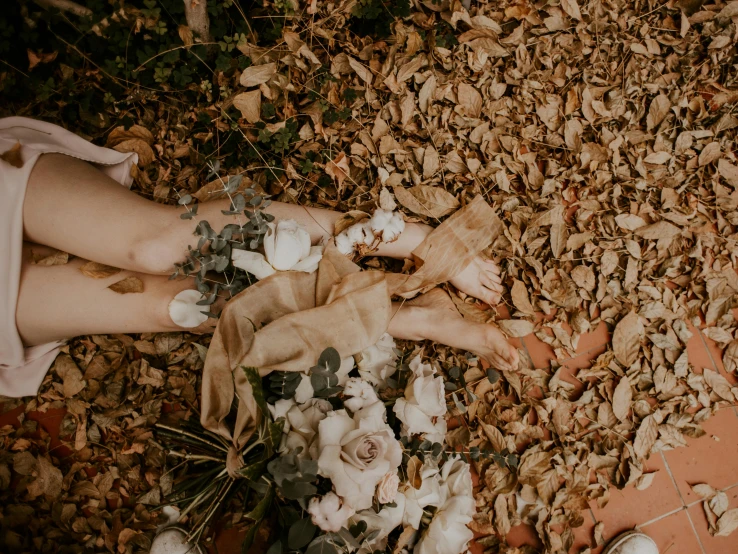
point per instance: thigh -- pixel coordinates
(58, 302)
(72, 206)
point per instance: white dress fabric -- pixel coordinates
(22, 369)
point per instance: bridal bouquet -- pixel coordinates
(348, 457)
(361, 463)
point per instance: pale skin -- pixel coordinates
(72, 206)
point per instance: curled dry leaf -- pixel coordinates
(257, 74)
(622, 398)
(516, 327)
(433, 202)
(249, 104)
(56, 257)
(730, 357)
(98, 271)
(13, 156)
(128, 285)
(626, 340)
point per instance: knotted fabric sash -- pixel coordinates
(285, 321)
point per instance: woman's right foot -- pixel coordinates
(433, 316)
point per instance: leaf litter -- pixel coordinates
(604, 136)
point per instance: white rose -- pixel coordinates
(429, 494)
(394, 228)
(329, 513)
(448, 532)
(301, 424)
(305, 390)
(456, 479)
(387, 488)
(423, 409)
(377, 362)
(287, 247)
(385, 521)
(185, 312)
(355, 453)
(361, 394)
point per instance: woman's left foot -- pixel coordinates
(443, 323)
(481, 279)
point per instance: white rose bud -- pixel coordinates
(387, 488)
(287, 247)
(329, 513)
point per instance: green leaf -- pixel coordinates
(253, 471)
(254, 379)
(301, 533)
(319, 382)
(276, 548)
(322, 545)
(260, 510)
(331, 359)
(493, 375)
(248, 540)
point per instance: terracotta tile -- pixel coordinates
(630, 507)
(539, 352)
(697, 354)
(523, 534)
(715, 545)
(674, 534)
(584, 535)
(597, 338)
(710, 459)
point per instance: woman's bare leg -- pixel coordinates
(72, 206)
(58, 302)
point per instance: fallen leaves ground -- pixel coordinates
(604, 135)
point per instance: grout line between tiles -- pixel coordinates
(696, 535)
(671, 476)
(659, 518)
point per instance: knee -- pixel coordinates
(154, 255)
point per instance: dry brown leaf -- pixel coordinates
(516, 327)
(728, 171)
(626, 340)
(470, 100)
(425, 200)
(255, 75)
(727, 523)
(710, 153)
(630, 222)
(718, 384)
(70, 374)
(13, 156)
(128, 285)
(645, 481)
(121, 134)
(137, 146)
(704, 490)
(572, 9)
(658, 231)
(646, 437)
(730, 357)
(249, 104)
(98, 271)
(348, 219)
(431, 162)
(622, 398)
(657, 111)
(48, 481)
(56, 257)
(520, 298)
(361, 70)
(338, 169)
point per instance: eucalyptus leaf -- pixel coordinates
(301, 533)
